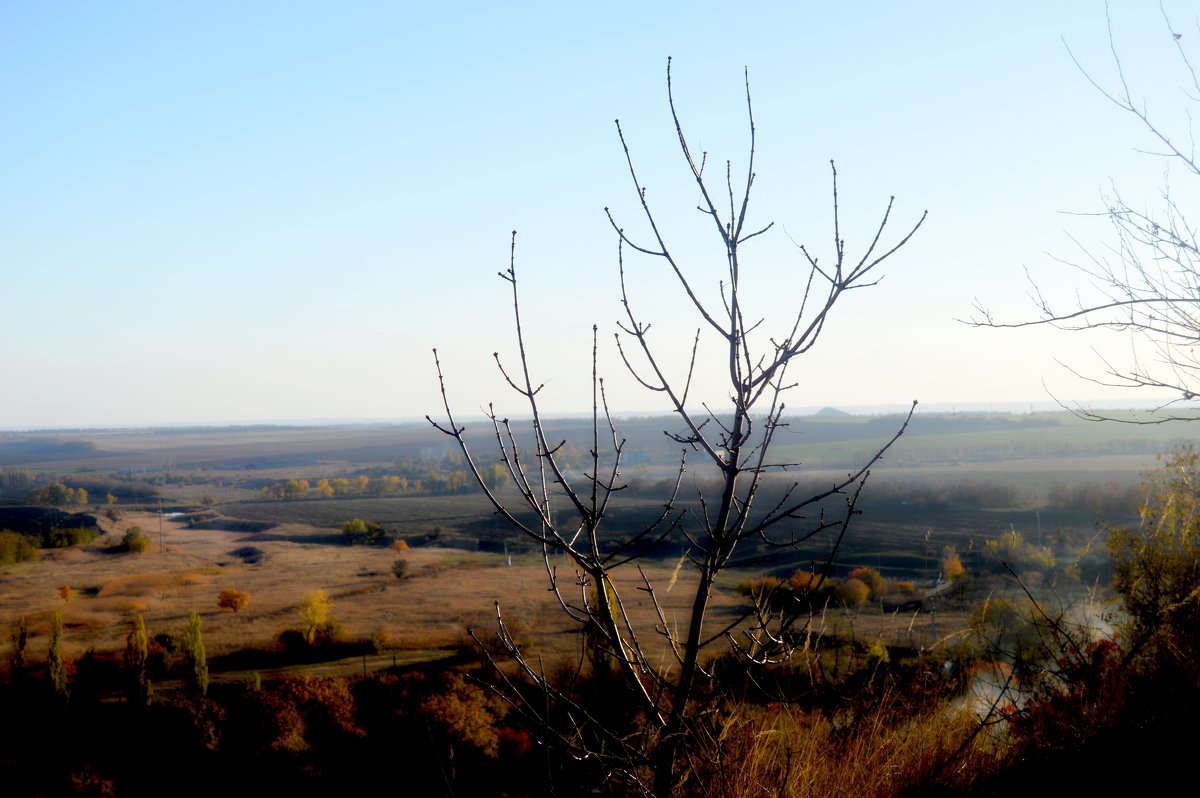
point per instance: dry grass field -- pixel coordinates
(445, 592)
(446, 589)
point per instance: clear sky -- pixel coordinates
(216, 212)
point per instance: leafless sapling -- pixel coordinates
(669, 679)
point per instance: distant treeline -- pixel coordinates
(968, 494)
(1090, 497)
(16, 478)
(18, 484)
(433, 481)
(37, 450)
(842, 441)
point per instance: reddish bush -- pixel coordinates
(464, 714)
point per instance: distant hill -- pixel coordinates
(42, 450)
(828, 412)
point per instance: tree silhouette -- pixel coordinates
(739, 520)
(1145, 285)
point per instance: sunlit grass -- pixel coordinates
(880, 749)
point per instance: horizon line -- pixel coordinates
(885, 408)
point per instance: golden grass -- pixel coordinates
(786, 751)
(145, 585)
(445, 591)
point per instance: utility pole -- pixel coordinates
(161, 548)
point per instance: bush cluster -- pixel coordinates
(805, 591)
(358, 531)
(15, 547)
(135, 541)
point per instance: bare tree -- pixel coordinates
(1146, 283)
(719, 527)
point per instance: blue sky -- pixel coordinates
(216, 212)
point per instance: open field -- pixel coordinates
(279, 550)
(446, 592)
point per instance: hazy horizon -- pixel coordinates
(1009, 408)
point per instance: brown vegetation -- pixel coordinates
(233, 599)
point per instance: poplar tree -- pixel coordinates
(196, 677)
(58, 668)
(136, 654)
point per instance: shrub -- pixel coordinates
(15, 547)
(296, 714)
(233, 599)
(357, 530)
(168, 641)
(897, 593)
(869, 577)
(134, 541)
(400, 568)
(331, 631)
(769, 593)
(851, 592)
(877, 654)
(758, 587)
(1085, 695)
(1011, 550)
(996, 616)
(325, 697)
(952, 567)
(1156, 566)
(463, 715)
(62, 537)
(382, 640)
(812, 591)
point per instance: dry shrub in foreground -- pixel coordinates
(879, 751)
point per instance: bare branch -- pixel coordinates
(663, 663)
(1146, 283)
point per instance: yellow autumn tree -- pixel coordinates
(314, 612)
